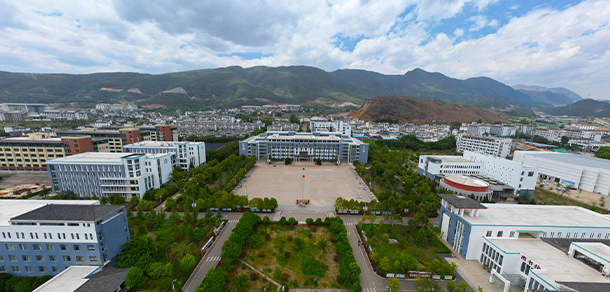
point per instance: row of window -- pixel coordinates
(34, 150)
(52, 258)
(535, 285)
(500, 233)
(49, 235)
(576, 234)
(29, 269)
(50, 247)
(462, 166)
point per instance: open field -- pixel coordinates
(546, 197)
(321, 185)
(9, 180)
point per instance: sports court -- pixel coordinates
(321, 185)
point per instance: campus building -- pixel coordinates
(498, 147)
(25, 107)
(39, 238)
(514, 242)
(187, 153)
(31, 153)
(508, 179)
(305, 147)
(333, 127)
(583, 172)
(120, 136)
(104, 174)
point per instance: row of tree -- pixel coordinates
(215, 279)
(349, 270)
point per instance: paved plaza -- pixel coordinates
(321, 185)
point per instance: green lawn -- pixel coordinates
(415, 251)
(268, 255)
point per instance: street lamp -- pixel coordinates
(173, 285)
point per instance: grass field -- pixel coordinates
(296, 270)
(545, 197)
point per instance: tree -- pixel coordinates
(460, 287)
(565, 140)
(293, 119)
(298, 242)
(134, 201)
(240, 282)
(139, 252)
(385, 264)
(187, 263)
(394, 285)
(288, 160)
(171, 203)
(134, 275)
(322, 243)
(427, 285)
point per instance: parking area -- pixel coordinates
(12, 179)
(321, 185)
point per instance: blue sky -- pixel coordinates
(548, 43)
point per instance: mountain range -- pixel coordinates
(583, 108)
(422, 111)
(236, 86)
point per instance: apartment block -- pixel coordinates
(104, 174)
(333, 127)
(120, 136)
(498, 147)
(39, 238)
(187, 153)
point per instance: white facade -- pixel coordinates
(187, 153)
(587, 173)
(333, 127)
(556, 134)
(498, 147)
(522, 178)
(431, 165)
(104, 174)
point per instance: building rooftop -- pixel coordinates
(538, 215)
(449, 159)
(555, 265)
(103, 157)
(466, 180)
(587, 287)
(85, 279)
(156, 144)
(461, 202)
(30, 140)
(580, 160)
(86, 213)
(13, 208)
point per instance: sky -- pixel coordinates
(553, 43)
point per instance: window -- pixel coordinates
(55, 269)
(1, 258)
(12, 258)
(531, 173)
(26, 258)
(558, 234)
(568, 235)
(15, 269)
(52, 258)
(23, 246)
(511, 234)
(2, 269)
(91, 247)
(67, 259)
(500, 233)
(523, 267)
(77, 247)
(9, 246)
(29, 269)
(552, 234)
(92, 258)
(63, 247)
(488, 233)
(50, 247)
(42, 269)
(527, 270)
(80, 259)
(39, 258)
(36, 246)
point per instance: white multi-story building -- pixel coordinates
(478, 129)
(188, 154)
(583, 172)
(498, 147)
(333, 127)
(511, 240)
(104, 174)
(503, 130)
(41, 237)
(556, 134)
(520, 177)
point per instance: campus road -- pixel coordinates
(212, 256)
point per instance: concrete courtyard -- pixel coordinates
(322, 184)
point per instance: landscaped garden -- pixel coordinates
(402, 248)
(313, 256)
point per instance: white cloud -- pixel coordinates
(545, 46)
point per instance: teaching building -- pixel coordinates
(39, 238)
(305, 147)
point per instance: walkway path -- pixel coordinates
(266, 277)
(162, 205)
